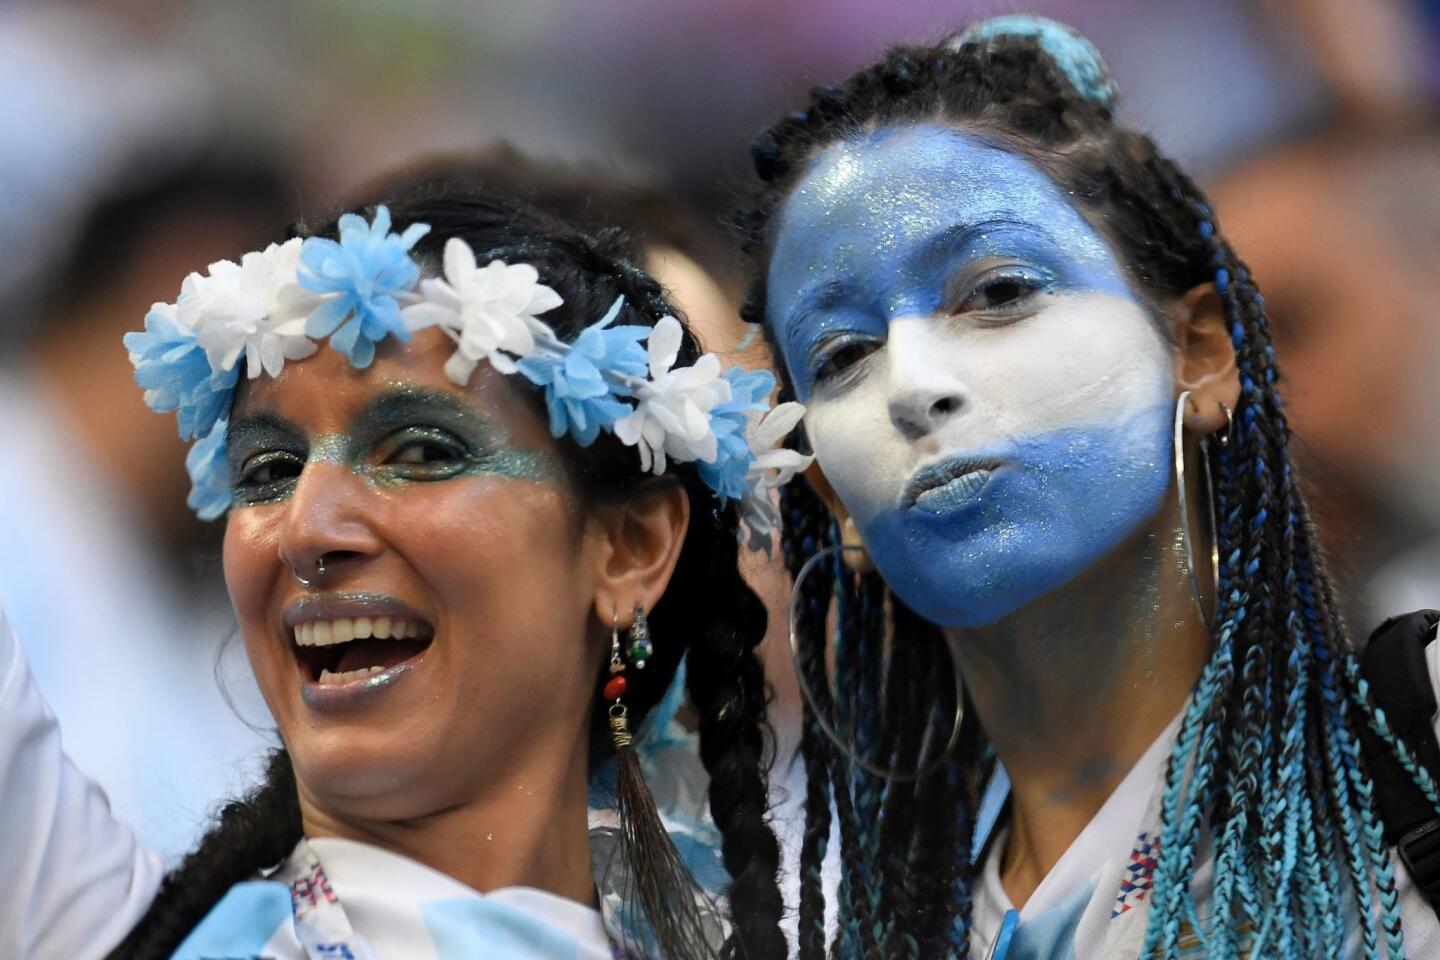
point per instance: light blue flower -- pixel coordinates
(749, 393)
(173, 370)
(581, 399)
(209, 474)
(368, 268)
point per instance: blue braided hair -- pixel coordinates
(1267, 763)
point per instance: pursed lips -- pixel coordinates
(933, 476)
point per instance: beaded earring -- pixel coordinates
(663, 886)
(640, 646)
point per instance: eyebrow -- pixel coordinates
(834, 291)
(405, 398)
(262, 422)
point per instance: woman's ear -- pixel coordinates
(1205, 359)
(641, 541)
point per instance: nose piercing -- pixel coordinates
(319, 572)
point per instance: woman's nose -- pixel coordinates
(327, 524)
(924, 386)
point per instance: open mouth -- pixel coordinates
(948, 483)
(345, 650)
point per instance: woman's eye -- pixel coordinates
(265, 470)
(999, 293)
(422, 452)
(843, 357)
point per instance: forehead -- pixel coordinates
(878, 196)
(322, 393)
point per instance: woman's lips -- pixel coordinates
(949, 484)
(349, 647)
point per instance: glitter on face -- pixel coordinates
(403, 436)
(987, 395)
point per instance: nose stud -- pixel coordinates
(319, 573)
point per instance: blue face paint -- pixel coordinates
(906, 221)
(986, 394)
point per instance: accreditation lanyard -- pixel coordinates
(992, 806)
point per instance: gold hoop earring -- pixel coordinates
(847, 749)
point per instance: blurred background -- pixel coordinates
(142, 139)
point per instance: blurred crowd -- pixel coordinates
(143, 139)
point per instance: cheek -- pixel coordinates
(858, 448)
(501, 557)
(251, 562)
(1089, 360)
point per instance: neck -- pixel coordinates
(1074, 687)
(527, 827)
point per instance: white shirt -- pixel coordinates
(121, 654)
(75, 879)
(384, 906)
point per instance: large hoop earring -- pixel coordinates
(1180, 488)
(847, 749)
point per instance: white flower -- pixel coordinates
(772, 468)
(672, 415)
(490, 312)
(256, 307)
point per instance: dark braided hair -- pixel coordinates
(707, 611)
(1268, 758)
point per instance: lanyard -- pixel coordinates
(1001, 946)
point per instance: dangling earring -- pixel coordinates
(664, 886)
(1224, 440)
(639, 636)
(827, 724)
(856, 557)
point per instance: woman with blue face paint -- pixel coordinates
(1015, 324)
(457, 462)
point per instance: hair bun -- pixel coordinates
(1075, 56)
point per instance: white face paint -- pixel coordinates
(986, 395)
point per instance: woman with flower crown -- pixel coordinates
(1049, 449)
(482, 496)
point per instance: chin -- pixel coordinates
(372, 774)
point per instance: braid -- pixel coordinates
(727, 685)
(1267, 760)
(805, 532)
(250, 835)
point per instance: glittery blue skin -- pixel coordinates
(880, 229)
(1061, 501)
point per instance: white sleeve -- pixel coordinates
(73, 879)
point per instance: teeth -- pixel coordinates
(323, 633)
(349, 676)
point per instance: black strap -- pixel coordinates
(1394, 663)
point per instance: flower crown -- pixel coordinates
(275, 303)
